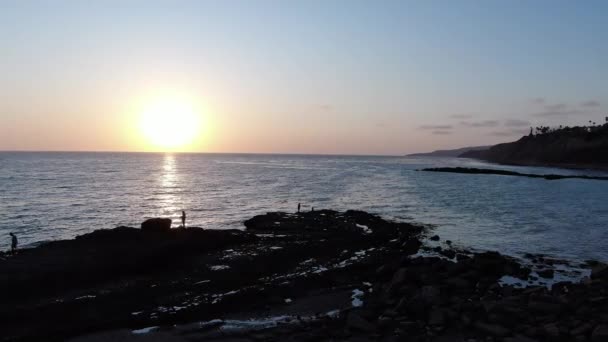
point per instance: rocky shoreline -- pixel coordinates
(476, 171)
(314, 276)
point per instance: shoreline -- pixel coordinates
(315, 275)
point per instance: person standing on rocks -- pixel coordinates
(298, 207)
(183, 219)
(14, 243)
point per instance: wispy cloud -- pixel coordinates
(436, 127)
(590, 103)
(326, 107)
(561, 112)
(560, 109)
(538, 100)
(461, 116)
(484, 123)
(516, 123)
(441, 132)
(556, 107)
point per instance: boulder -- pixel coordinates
(356, 322)
(398, 279)
(492, 329)
(411, 246)
(546, 273)
(600, 333)
(158, 225)
(599, 270)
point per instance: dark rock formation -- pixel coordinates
(506, 173)
(156, 225)
(322, 275)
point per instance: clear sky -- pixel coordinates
(353, 77)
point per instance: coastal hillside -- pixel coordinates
(580, 146)
(449, 153)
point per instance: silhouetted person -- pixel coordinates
(312, 209)
(183, 219)
(14, 243)
(298, 207)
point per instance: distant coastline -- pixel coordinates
(579, 147)
(449, 153)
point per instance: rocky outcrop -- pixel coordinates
(322, 275)
(156, 225)
(476, 171)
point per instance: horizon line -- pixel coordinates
(185, 152)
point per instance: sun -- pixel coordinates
(170, 123)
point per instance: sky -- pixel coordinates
(318, 77)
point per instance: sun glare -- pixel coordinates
(170, 123)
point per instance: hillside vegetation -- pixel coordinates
(583, 146)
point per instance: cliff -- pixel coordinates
(568, 147)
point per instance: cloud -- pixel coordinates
(538, 100)
(436, 127)
(590, 103)
(517, 123)
(326, 107)
(484, 123)
(461, 116)
(556, 107)
(561, 112)
(562, 109)
(441, 132)
(559, 109)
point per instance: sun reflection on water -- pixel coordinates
(170, 190)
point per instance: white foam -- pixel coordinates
(356, 297)
(320, 269)
(365, 228)
(85, 297)
(219, 267)
(144, 330)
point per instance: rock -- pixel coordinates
(448, 253)
(435, 238)
(544, 307)
(600, 333)
(581, 330)
(519, 338)
(492, 329)
(398, 279)
(546, 273)
(552, 330)
(430, 294)
(599, 270)
(356, 322)
(436, 317)
(158, 225)
(458, 283)
(411, 246)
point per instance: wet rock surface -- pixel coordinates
(313, 276)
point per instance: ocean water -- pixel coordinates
(48, 196)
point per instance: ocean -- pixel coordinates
(50, 195)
